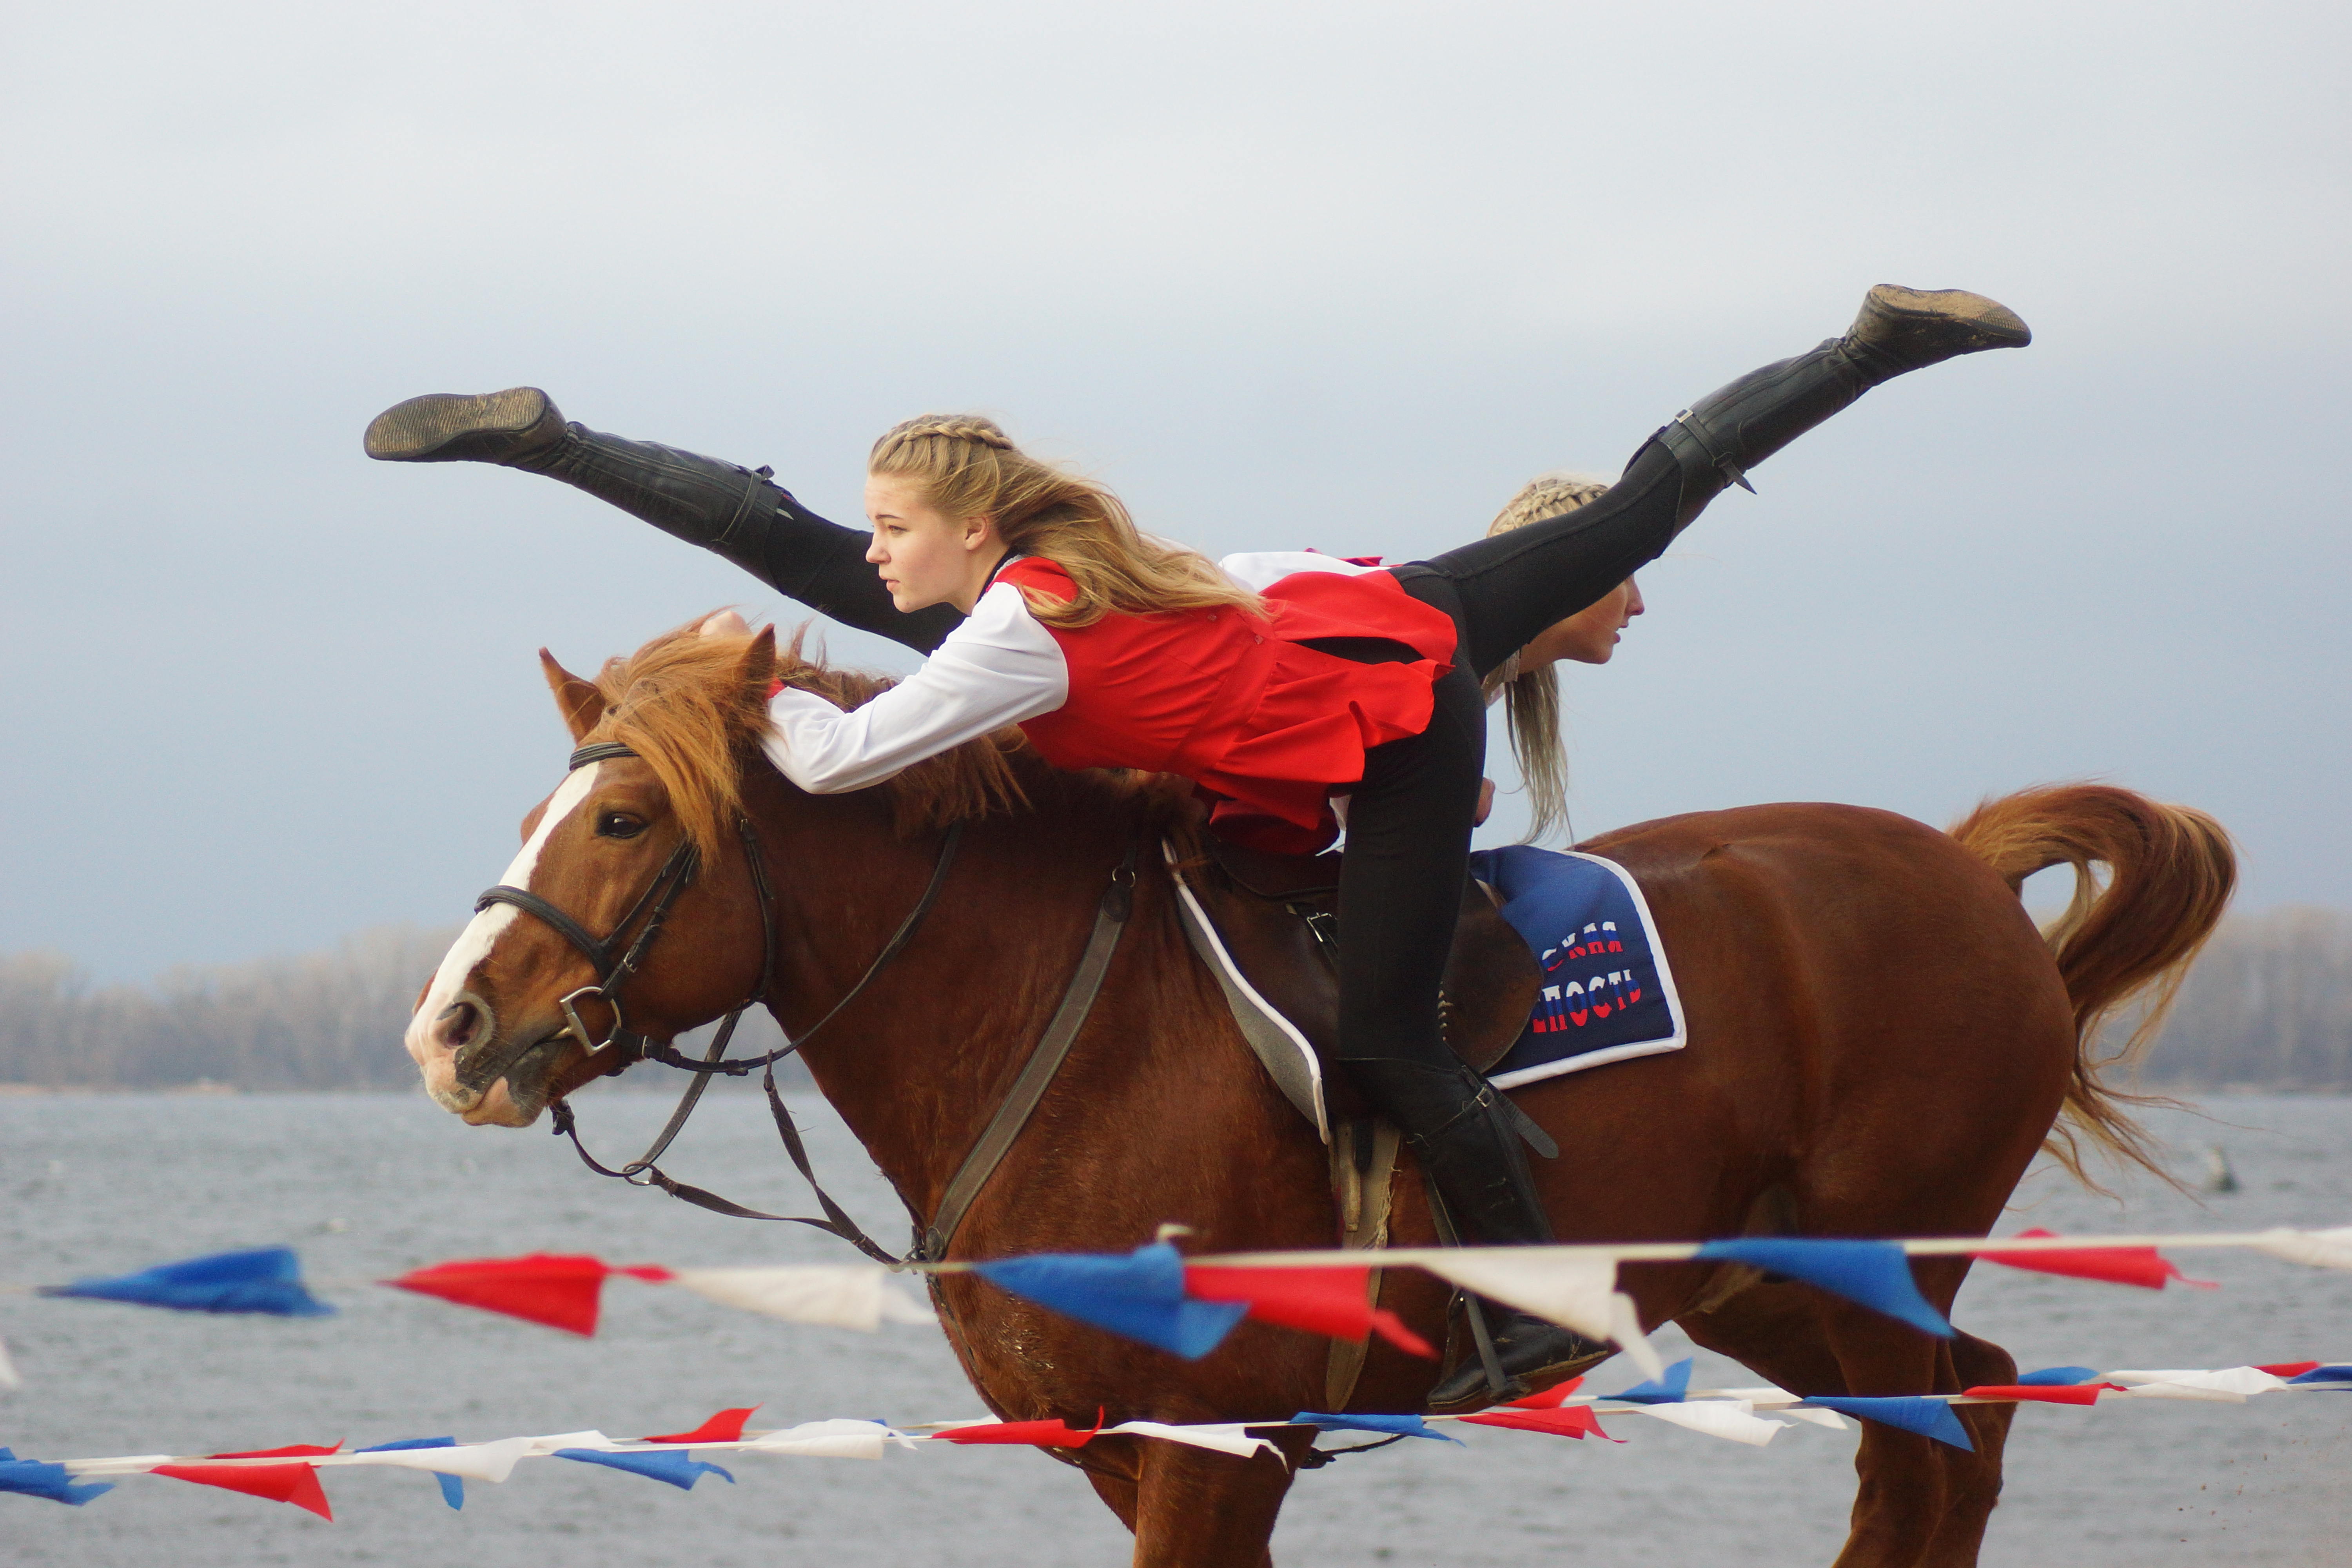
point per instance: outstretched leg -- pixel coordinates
(1510, 586)
(732, 511)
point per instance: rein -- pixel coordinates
(996, 1139)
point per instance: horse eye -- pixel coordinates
(618, 825)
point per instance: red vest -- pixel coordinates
(1232, 702)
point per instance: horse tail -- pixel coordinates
(2169, 873)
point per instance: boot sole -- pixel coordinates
(419, 431)
(1996, 323)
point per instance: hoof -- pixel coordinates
(451, 427)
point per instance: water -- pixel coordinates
(370, 1185)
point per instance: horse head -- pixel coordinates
(642, 845)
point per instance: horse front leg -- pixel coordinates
(1195, 1508)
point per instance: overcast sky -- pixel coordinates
(1285, 275)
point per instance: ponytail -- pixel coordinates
(1538, 744)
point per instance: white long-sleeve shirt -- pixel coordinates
(1001, 666)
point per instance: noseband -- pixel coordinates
(614, 967)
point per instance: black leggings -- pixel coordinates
(1408, 823)
(824, 565)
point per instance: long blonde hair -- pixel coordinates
(1534, 697)
(967, 467)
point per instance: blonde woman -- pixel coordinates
(1112, 649)
(1528, 683)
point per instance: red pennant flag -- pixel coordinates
(2040, 1392)
(2139, 1266)
(1054, 1434)
(727, 1426)
(2290, 1368)
(1549, 1399)
(651, 1273)
(562, 1291)
(1564, 1421)
(292, 1451)
(297, 1484)
(1333, 1301)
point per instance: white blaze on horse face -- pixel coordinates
(475, 943)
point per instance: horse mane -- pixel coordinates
(683, 703)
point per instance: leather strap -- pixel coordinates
(1003, 1129)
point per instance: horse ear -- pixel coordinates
(758, 670)
(581, 703)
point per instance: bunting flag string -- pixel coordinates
(292, 1474)
(1187, 1305)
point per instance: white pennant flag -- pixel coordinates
(2320, 1248)
(1717, 1418)
(9, 1378)
(2230, 1386)
(1232, 1438)
(839, 1440)
(538, 1447)
(1576, 1290)
(1780, 1402)
(843, 1295)
(492, 1462)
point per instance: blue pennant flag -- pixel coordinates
(1393, 1426)
(1929, 1417)
(34, 1478)
(268, 1279)
(2057, 1377)
(676, 1469)
(1671, 1389)
(1141, 1296)
(1875, 1273)
(2337, 1374)
(452, 1488)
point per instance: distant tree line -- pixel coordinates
(329, 1020)
(2269, 1006)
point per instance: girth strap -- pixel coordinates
(1053, 1048)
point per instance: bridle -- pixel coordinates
(613, 972)
(980, 1162)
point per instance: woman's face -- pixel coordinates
(1588, 636)
(925, 556)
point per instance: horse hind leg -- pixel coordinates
(1972, 1486)
(1920, 1503)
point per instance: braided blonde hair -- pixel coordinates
(966, 466)
(1534, 697)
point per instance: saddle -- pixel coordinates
(1278, 916)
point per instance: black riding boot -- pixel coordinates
(732, 511)
(1718, 439)
(1470, 1149)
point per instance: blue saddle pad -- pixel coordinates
(1608, 994)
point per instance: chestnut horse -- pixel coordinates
(1879, 1041)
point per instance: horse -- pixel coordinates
(1879, 1041)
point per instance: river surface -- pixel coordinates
(370, 1185)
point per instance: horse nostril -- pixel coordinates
(458, 1025)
